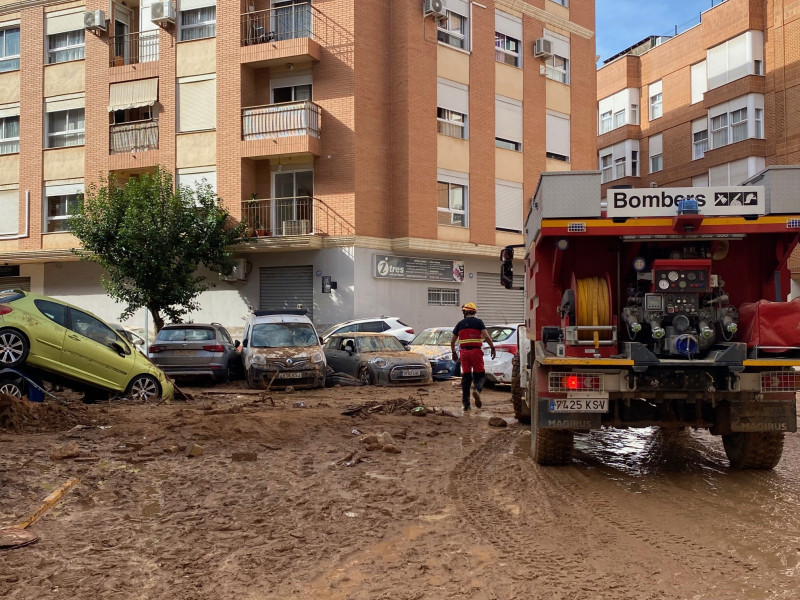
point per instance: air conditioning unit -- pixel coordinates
(543, 48)
(162, 13)
(238, 273)
(433, 8)
(94, 20)
(295, 227)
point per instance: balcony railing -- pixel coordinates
(136, 136)
(279, 216)
(276, 24)
(133, 48)
(280, 120)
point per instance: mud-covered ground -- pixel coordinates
(302, 502)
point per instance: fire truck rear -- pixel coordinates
(660, 307)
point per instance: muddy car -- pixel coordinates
(282, 348)
(376, 358)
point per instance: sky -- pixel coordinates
(622, 23)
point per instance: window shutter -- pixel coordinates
(508, 24)
(458, 6)
(560, 43)
(197, 104)
(59, 103)
(557, 129)
(718, 176)
(192, 4)
(656, 146)
(717, 66)
(508, 119)
(191, 177)
(737, 172)
(737, 57)
(699, 125)
(452, 96)
(9, 208)
(63, 21)
(508, 205)
(699, 82)
(9, 110)
(654, 89)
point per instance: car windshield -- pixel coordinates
(283, 335)
(7, 296)
(186, 334)
(433, 337)
(500, 334)
(379, 344)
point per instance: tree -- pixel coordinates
(151, 240)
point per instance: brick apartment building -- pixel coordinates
(373, 145)
(712, 106)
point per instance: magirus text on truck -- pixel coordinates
(662, 307)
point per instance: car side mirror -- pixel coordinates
(236, 343)
(320, 341)
(244, 343)
(119, 348)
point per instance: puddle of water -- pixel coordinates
(522, 447)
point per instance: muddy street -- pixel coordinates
(284, 499)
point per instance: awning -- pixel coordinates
(133, 94)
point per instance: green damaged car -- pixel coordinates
(72, 346)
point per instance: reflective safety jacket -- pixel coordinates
(468, 332)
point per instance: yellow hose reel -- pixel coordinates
(592, 308)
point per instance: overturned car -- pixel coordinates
(376, 358)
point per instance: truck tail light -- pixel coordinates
(154, 349)
(214, 348)
(575, 382)
(5, 309)
(409, 330)
(510, 348)
(780, 381)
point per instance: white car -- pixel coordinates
(389, 325)
(505, 344)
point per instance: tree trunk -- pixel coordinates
(158, 321)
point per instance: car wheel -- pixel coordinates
(12, 387)
(144, 388)
(365, 376)
(14, 348)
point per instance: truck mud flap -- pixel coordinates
(575, 421)
(763, 416)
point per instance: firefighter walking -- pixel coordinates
(470, 332)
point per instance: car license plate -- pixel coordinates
(411, 373)
(578, 405)
(184, 352)
(289, 375)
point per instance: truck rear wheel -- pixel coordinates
(548, 446)
(522, 412)
(753, 450)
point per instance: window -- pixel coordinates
(759, 123)
(452, 204)
(194, 178)
(634, 114)
(507, 144)
(605, 122)
(719, 130)
(65, 128)
(606, 173)
(557, 136)
(9, 49)
(198, 23)
(738, 125)
(61, 202)
(197, 103)
(509, 213)
(451, 123)
(53, 311)
(506, 49)
(655, 148)
(9, 208)
(619, 168)
(452, 30)
(9, 134)
(372, 327)
(699, 81)
(656, 163)
(295, 93)
(736, 58)
(557, 69)
(700, 143)
(92, 328)
(634, 163)
(758, 67)
(655, 106)
(562, 2)
(63, 47)
(443, 297)
(619, 119)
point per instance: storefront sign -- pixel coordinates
(428, 269)
(662, 202)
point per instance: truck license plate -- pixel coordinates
(579, 405)
(289, 375)
(411, 373)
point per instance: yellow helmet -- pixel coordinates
(469, 307)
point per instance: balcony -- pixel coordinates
(291, 128)
(133, 48)
(297, 216)
(280, 35)
(137, 136)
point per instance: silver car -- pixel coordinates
(376, 358)
(195, 350)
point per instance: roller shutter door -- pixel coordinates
(496, 304)
(283, 288)
(15, 283)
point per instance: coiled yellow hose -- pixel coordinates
(593, 307)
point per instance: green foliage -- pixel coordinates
(151, 240)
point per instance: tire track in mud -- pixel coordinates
(546, 554)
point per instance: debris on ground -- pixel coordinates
(395, 405)
(497, 422)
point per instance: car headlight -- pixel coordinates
(317, 357)
(259, 359)
(378, 361)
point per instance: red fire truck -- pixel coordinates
(660, 307)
